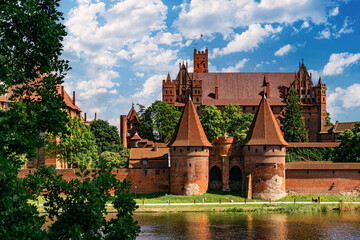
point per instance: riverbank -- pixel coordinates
(233, 202)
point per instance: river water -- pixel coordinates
(192, 225)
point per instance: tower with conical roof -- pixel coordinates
(264, 156)
(189, 155)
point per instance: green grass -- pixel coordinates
(257, 208)
(327, 198)
(215, 196)
(211, 197)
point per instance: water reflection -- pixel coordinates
(248, 226)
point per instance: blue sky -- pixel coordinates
(120, 51)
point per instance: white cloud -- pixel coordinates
(324, 34)
(334, 12)
(151, 86)
(342, 99)
(284, 50)
(305, 25)
(240, 64)
(248, 40)
(338, 62)
(315, 75)
(138, 74)
(222, 16)
(334, 31)
(345, 29)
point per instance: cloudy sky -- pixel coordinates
(121, 50)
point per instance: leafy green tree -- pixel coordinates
(293, 125)
(76, 146)
(79, 208)
(328, 119)
(107, 137)
(19, 219)
(349, 148)
(158, 121)
(212, 122)
(236, 123)
(30, 47)
(115, 159)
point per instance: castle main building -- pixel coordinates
(246, 89)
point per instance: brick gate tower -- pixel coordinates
(264, 156)
(189, 155)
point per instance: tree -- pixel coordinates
(236, 123)
(328, 120)
(293, 125)
(158, 122)
(107, 137)
(212, 122)
(349, 148)
(115, 159)
(76, 146)
(30, 47)
(19, 219)
(79, 206)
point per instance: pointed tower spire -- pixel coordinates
(168, 77)
(189, 131)
(320, 81)
(264, 129)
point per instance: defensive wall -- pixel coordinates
(155, 180)
(320, 178)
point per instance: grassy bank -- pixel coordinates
(253, 208)
(214, 198)
(217, 196)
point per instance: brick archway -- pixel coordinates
(235, 177)
(215, 179)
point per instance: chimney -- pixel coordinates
(155, 148)
(74, 97)
(216, 92)
(62, 91)
(268, 91)
(85, 117)
(95, 116)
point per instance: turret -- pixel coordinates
(264, 156)
(201, 61)
(189, 155)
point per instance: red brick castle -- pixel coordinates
(246, 90)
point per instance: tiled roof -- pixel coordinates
(149, 153)
(326, 129)
(338, 127)
(243, 88)
(313, 144)
(68, 101)
(131, 113)
(136, 137)
(315, 165)
(189, 131)
(342, 126)
(264, 129)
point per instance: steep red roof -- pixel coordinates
(243, 88)
(132, 112)
(136, 137)
(67, 99)
(189, 131)
(264, 130)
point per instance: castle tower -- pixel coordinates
(264, 156)
(201, 61)
(189, 155)
(169, 91)
(320, 92)
(129, 125)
